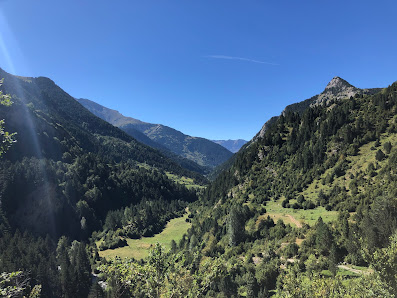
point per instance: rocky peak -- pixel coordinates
(338, 82)
(336, 89)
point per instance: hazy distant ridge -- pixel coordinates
(199, 150)
(231, 145)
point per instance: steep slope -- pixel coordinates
(231, 145)
(69, 167)
(317, 189)
(115, 118)
(202, 151)
(335, 90)
(51, 115)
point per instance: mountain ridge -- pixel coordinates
(231, 145)
(64, 155)
(336, 89)
(199, 150)
(318, 186)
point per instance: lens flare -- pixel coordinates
(6, 34)
(5, 31)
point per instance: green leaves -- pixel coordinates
(163, 275)
(5, 99)
(6, 138)
(16, 284)
(385, 263)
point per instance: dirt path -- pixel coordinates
(357, 271)
(294, 220)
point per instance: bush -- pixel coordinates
(291, 250)
(380, 155)
(296, 206)
(387, 147)
(113, 243)
(308, 205)
(301, 199)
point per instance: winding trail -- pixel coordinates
(294, 221)
(357, 271)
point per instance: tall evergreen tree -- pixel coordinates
(235, 226)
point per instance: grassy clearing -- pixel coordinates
(188, 182)
(310, 217)
(340, 272)
(360, 162)
(139, 248)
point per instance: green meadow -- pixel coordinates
(298, 216)
(139, 248)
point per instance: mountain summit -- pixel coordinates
(336, 89)
(338, 82)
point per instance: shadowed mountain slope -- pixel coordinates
(199, 150)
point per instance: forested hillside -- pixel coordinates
(67, 174)
(306, 208)
(203, 154)
(316, 195)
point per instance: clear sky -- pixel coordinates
(216, 69)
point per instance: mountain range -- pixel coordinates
(231, 145)
(205, 153)
(307, 206)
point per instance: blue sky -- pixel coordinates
(215, 69)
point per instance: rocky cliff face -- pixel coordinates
(337, 89)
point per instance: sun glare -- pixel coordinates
(6, 61)
(5, 31)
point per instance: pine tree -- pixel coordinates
(333, 260)
(235, 227)
(96, 291)
(252, 286)
(82, 270)
(380, 155)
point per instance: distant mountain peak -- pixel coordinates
(201, 153)
(336, 89)
(231, 145)
(338, 82)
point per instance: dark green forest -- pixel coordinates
(71, 180)
(68, 175)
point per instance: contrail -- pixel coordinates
(239, 58)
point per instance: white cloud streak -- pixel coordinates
(240, 59)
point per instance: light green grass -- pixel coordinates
(139, 248)
(360, 162)
(310, 217)
(340, 272)
(188, 182)
(362, 268)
